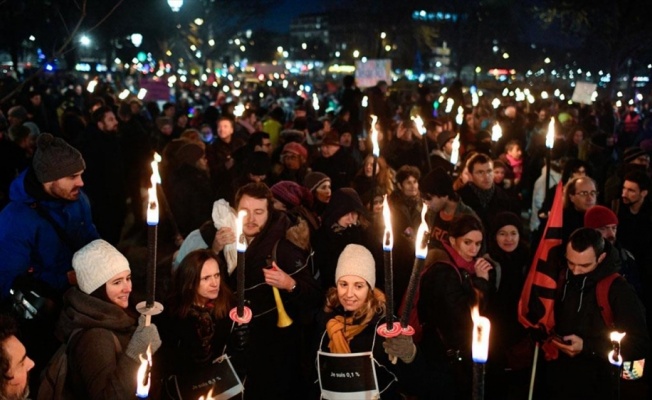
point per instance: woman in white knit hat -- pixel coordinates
(354, 309)
(103, 336)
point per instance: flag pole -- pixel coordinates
(534, 371)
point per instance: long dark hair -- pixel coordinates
(186, 281)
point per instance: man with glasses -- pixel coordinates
(481, 194)
(580, 194)
(582, 370)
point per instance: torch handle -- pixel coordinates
(478, 381)
(152, 239)
(389, 287)
(241, 284)
(411, 290)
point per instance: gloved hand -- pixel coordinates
(402, 347)
(143, 337)
(240, 336)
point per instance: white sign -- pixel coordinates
(583, 92)
(368, 73)
(347, 376)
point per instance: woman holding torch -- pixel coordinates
(104, 340)
(455, 280)
(354, 309)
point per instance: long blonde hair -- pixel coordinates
(374, 304)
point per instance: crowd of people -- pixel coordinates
(75, 172)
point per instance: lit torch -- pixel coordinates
(240, 313)
(616, 359)
(151, 307)
(479, 351)
(390, 328)
(144, 374)
(418, 122)
(375, 147)
(455, 155)
(496, 132)
(420, 252)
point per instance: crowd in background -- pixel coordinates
(325, 189)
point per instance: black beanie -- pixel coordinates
(55, 159)
(437, 183)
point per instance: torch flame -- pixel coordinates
(144, 374)
(152, 203)
(388, 236)
(459, 118)
(550, 136)
(455, 155)
(209, 396)
(421, 244)
(480, 343)
(238, 110)
(615, 358)
(374, 136)
(496, 132)
(418, 122)
(241, 242)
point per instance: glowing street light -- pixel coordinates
(175, 5)
(136, 39)
(85, 40)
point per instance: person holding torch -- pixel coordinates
(105, 336)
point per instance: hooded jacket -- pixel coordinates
(29, 241)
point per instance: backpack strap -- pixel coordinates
(602, 296)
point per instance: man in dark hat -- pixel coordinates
(335, 162)
(47, 220)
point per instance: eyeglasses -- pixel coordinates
(586, 193)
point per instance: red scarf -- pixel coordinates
(458, 261)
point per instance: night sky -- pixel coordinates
(280, 17)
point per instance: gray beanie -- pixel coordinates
(55, 159)
(314, 179)
(356, 260)
(96, 263)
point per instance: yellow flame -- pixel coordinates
(550, 136)
(209, 396)
(418, 122)
(421, 244)
(241, 242)
(374, 136)
(144, 373)
(388, 236)
(496, 132)
(455, 155)
(152, 203)
(616, 336)
(480, 343)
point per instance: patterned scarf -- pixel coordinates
(484, 196)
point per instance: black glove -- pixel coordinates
(240, 336)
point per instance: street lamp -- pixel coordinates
(85, 40)
(136, 39)
(175, 5)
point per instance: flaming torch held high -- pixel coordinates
(240, 313)
(418, 122)
(390, 328)
(455, 155)
(144, 374)
(479, 351)
(375, 149)
(420, 252)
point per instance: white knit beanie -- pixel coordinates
(96, 263)
(356, 260)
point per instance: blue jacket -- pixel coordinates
(27, 240)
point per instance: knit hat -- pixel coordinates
(599, 216)
(96, 263)
(189, 153)
(444, 137)
(331, 138)
(632, 153)
(356, 260)
(55, 159)
(291, 193)
(505, 218)
(314, 179)
(437, 183)
(295, 148)
(17, 112)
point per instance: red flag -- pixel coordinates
(536, 305)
